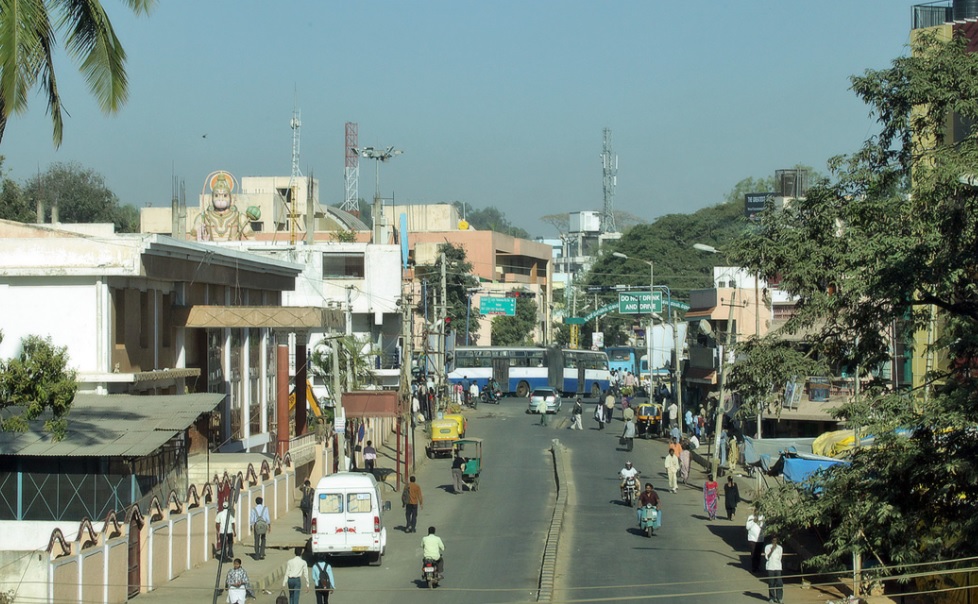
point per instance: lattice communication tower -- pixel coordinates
(609, 162)
(351, 174)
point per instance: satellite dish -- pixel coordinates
(704, 326)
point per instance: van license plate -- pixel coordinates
(360, 548)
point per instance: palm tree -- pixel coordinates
(27, 43)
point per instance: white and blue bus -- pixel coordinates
(518, 370)
(622, 359)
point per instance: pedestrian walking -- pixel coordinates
(457, 464)
(236, 584)
(711, 497)
(305, 504)
(773, 553)
(684, 462)
(688, 419)
(542, 410)
(412, 499)
(225, 525)
(628, 435)
(370, 456)
(323, 580)
(295, 572)
(576, 414)
(609, 407)
(673, 409)
(672, 468)
(261, 525)
(599, 415)
(755, 539)
(731, 497)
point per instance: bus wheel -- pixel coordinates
(595, 390)
(522, 390)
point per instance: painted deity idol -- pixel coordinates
(220, 220)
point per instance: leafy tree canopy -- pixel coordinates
(459, 280)
(28, 43)
(868, 261)
(491, 219)
(35, 383)
(516, 330)
(82, 196)
(13, 204)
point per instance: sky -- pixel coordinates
(499, 103)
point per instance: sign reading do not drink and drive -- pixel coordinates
(634, 303)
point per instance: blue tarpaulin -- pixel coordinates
(765, 452)
(798, 467)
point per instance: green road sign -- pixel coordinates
(574, 321)
(497, 306)
(634, 303)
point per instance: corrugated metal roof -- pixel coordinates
(113, 426)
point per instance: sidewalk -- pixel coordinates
(810, 589)
(197, 584)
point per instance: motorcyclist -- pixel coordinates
(625, 473)
(432, 547)
(473, 393)
(649, 497)
(493, 386)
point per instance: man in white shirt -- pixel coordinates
(224, 523)
(261, 524)
(773, 553)
(295, 571)
(628, 472)
(673, 414)
(433, 547)
(755, 539)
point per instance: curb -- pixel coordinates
(548, 568)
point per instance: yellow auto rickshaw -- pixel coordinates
(443, 434)
(648, 420)
(460, 419)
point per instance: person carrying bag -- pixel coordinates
(322, 578)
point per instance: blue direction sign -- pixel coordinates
(497, 306)
(634, 303)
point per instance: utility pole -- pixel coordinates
(405, 385)
(442, 329)
(349, 334)
(339, 422)
(723, 385)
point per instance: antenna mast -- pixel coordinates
(609, 162)
(351, 174)
(296, 124)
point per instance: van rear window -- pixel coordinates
(358, 503)
(330, 503)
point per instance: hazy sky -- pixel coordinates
(495, 103)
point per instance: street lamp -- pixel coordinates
(677, 369)
(379, 155)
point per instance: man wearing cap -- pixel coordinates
(225, 529)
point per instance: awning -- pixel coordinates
(700, 375)
(699, 314)
(277, 317)
(373, 403)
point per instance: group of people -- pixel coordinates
(237, 584)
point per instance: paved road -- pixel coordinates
(494, 537)
(604, 557)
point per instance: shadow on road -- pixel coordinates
(733, 535)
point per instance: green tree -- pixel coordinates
(13, 204)
(867, 260)
(517, 330)
(354, 359)
(35, 383)
(28, 42)
(459, 281)
(82, 197)
(491, 219)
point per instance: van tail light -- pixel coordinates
(376, 524)
(313, 526)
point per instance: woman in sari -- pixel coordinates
(684, 460)
(711, 497)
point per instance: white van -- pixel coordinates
(348, 517)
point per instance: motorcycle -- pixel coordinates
(429, 572)
(628, 492)
(649, 519)
(490, 395)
